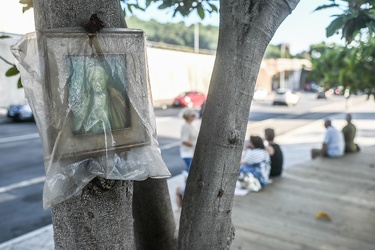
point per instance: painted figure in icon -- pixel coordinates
(100, 107)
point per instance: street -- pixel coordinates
(22, 169)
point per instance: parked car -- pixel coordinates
(260, 95)
(20, 112)
(190, 99)
(203, 107)
(285, 97)
(323, 94)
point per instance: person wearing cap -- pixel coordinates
(189, 137)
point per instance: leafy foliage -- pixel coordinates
(358, 16)
(350, 67)
(183, 7)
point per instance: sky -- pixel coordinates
(300, 29)
(12, 20)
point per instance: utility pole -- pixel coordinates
(282, 73)
(196, 38)
(195, 82)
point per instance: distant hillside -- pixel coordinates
(182, 37)
(176, 33)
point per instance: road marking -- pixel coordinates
(166, 119)
(170, 145)
(42, 178)
(7, 197)
(22, 184)
(19, 138)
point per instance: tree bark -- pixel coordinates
(95, 220)
(246, 28)
(154, 223)
(103, 218)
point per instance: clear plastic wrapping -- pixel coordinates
(91, 98)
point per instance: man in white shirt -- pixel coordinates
(188, 138)
(333, 144)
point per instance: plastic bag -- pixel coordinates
(91, 99)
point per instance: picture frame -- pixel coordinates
(96, 92)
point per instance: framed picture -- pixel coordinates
(96, 92)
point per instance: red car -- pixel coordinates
(190, 99)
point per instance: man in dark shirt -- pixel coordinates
(349, 132)
(275, 153)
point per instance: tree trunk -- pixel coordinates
(246, 28)
(103, 218)
(95, 221)
(154, 223)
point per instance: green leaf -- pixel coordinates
(19, 83)
(130, 8)
(326, 6)
(12, 71)
(138, 7)
(352, 27)
(148, 2)
(164, 6)
(200, 11)
(335, 25)
(213, 7)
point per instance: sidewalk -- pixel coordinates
(283, 215)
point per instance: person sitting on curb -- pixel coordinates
(275, 153)
(255, 165)
(349, 132)
(333, 144)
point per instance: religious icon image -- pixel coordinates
(97, 97)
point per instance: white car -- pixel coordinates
(260, 95)
(285, 97)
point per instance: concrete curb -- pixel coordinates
(35, 238)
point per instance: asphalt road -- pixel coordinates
(22, 170)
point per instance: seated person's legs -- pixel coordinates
(179, 194)
(315, 153)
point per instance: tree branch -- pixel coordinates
(6, 61)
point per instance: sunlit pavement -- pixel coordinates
(296, 145)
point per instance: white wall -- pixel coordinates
(173, 72)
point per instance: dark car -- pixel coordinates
(201, 111)
(323, 94)
(189, 99)
(20, 112)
